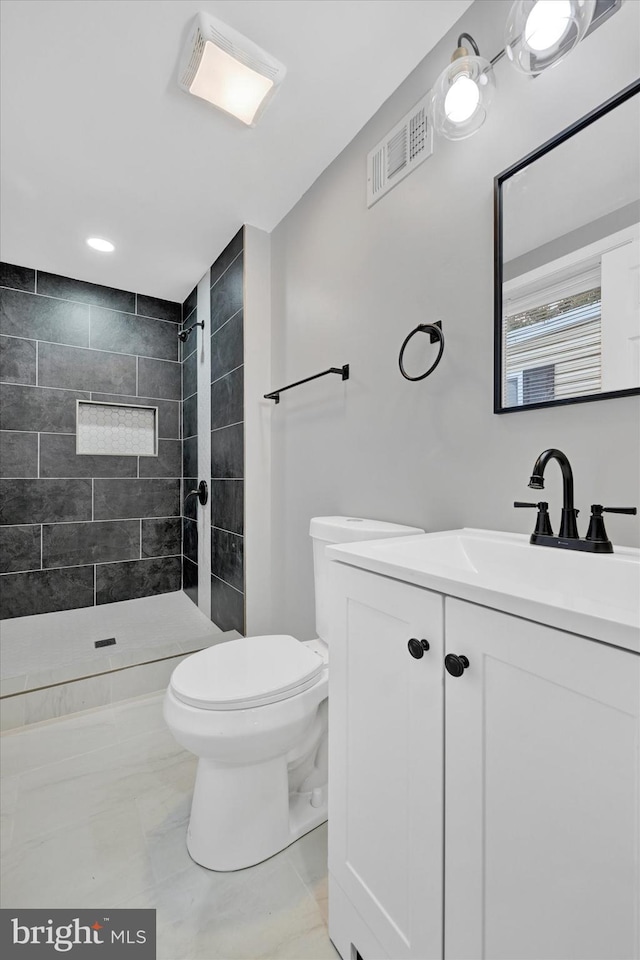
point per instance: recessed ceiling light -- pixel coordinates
(97, 243)
(222, 66)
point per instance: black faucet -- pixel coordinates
(569, 521)
(596, 540)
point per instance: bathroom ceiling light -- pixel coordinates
(220, 65)
(540, 33)
(98, 243)
(463, 92)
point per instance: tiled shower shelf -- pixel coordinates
(116, 429)
(50, 666)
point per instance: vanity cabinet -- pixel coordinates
(495, 814)
(386, 763)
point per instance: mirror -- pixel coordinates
(567, 264)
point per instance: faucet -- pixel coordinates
(568, 522)
(596, 540)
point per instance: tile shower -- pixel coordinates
(190, 451)
(78, 531)
(82, 530)
(226, 474)
(227, 437)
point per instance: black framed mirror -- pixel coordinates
(567, 264)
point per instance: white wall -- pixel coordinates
(257, 431)
(349, 283)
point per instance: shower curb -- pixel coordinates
(55, 700)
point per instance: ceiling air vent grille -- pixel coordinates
(194, 61)
(401, 151)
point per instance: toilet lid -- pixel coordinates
(247, 672)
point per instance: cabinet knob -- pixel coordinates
(417, 647)
(455, 665)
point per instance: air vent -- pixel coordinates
(401, 151)
(227, 69)
(188, 74)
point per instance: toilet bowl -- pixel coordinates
(254, 711)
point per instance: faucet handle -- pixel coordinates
(596, 531)
(543, 524)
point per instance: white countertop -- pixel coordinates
(594, 595)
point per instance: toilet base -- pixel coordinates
(242, 815)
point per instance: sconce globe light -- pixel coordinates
(540, 33)
(99, 243)
(463, 92)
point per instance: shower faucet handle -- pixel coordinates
(201, 492)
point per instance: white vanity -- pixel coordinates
(496, 813)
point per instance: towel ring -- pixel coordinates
(435, 333)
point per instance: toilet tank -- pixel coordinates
(326, 530)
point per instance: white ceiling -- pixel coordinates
(98, 140)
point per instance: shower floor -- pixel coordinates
(51, 649)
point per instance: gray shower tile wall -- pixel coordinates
(190, 450)
(227, 437)
(80, 530)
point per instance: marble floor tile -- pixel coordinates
(80, 865)
(12, 685)
(143, 679)
(141, 715)
(12, 712)
(65, 699)
(96, 808)
(8, 803)
(60, 794)
(50, 742)
(309, 859)
(164, 817)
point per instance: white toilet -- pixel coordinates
(254, 711)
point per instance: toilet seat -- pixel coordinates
(248, 672)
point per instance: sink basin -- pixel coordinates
(594, 595)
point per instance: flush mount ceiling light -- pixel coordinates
(98, 243)
(463, 92)
(220, 65)
(540, 33)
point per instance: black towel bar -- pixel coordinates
(275, 394)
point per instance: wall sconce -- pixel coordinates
(540, 33)
(463, 92)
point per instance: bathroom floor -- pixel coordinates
(94, 814)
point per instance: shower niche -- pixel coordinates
(116, 429)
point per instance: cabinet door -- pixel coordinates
(542, 793)
(385, 744)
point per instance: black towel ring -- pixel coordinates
(435, 333)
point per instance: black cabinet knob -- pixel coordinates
(417, 647)
(455, 665)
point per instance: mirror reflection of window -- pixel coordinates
(555, 349)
